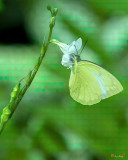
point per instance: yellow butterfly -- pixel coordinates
(89, 83)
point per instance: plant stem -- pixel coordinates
(30, 77)
(37, 65)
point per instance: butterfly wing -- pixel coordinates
(84, 87)
(108, 83)
(90, 83)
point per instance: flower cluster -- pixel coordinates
(69, 51)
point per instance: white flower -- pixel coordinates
(68, 50)
(75, 46)
(66, 60)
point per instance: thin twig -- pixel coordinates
(17, 93)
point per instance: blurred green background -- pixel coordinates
(48, 124)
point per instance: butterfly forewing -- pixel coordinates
(108, 83)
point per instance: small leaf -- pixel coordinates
(28, 77)
(55, 10)
(52, 22)
(15, 92)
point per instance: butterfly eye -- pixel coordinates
(78, 59)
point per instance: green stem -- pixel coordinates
(7, 114)
(37, 65)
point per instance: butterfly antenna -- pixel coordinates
(84, 46)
